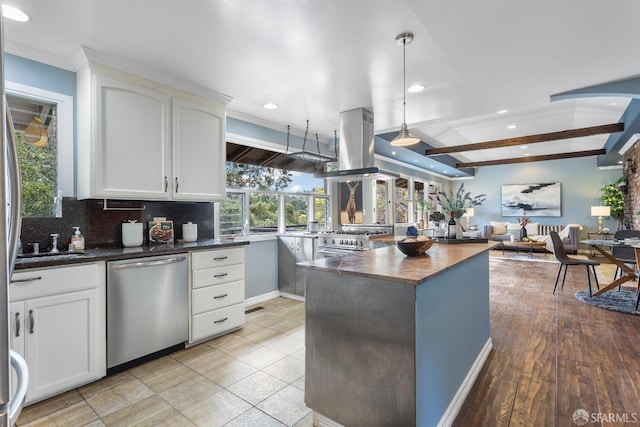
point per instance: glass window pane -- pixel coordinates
(263, 209)
(321, 212)
(381, 202)
(36, 136)
(418, 199)
(232, 214)
(296, 209)
(402, 200)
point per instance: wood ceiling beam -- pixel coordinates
(529, 159)
(240, 155)
(530, 139)
(270, 159)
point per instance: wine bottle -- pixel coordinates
(451, 231)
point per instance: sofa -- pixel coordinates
(501, 231)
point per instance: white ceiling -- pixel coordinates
(317, 58)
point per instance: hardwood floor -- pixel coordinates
(553, 355)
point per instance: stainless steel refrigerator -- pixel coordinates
(13, 368)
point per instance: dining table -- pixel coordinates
(628, 273)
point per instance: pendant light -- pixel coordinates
(404, 138)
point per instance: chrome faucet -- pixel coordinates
(54, 243)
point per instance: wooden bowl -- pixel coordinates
(414, 248)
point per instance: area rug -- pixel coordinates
(623, 301)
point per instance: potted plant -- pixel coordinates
(613, 197)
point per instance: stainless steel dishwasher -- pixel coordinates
(147, 307)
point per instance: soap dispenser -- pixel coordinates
(77, 240)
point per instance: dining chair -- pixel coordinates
(625, 254)
(565, 261)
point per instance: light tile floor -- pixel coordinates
(251, 377)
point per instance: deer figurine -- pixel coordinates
(351, 203)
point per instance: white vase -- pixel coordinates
(459, 230)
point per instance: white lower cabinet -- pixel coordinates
(217, 292)
(58, 325)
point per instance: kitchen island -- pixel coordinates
(396, 340)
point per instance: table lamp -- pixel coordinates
(469, 213)
(600, 211)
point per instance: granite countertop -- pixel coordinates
(117, 253)
(389, 263)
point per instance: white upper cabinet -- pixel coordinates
(197, 134)
(141, 140)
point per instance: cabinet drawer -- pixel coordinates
(38, 282)
(217, 276)
(216, 258)
(214, 297)
(217, 321)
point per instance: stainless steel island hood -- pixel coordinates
(356, 149)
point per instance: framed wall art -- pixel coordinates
(350, 196)
(532, 199)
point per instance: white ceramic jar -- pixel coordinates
(189, 232)
(132, 234)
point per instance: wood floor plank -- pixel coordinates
(552, 354)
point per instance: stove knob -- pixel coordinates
(360, 243)
(333, 241)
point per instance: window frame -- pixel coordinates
(65, 130)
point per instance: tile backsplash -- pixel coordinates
(101, 228)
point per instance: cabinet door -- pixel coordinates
(16, 335)
(132, 157)
(59, 348)
(304, 252)
(199, 152)
(287, 264)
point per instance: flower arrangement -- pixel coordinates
(458, 203)
(524, 220)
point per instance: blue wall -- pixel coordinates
(580, 180)
(261, 268)
(36, 74)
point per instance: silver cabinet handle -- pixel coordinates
(149, 263)
(220, 321)
(220, 296)
(31, 322)
(166, 184)
(177, 184)
(220, 258)
(220, 275)
(17, 324)
(28, 279)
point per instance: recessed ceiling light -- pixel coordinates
(502, 111)
(445, 171)
(613, 103)
(524, 147)
(527, 154)
(415, 88)
(393, 152)
(415, 161)
(431, 166)
(619, 162)
(511, 127)
(14, 13)
(270, 106)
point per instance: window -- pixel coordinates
(263, 209)
(401, 213)
(418, 199)
(381, 202)
(232, 216)
(266, 190)
(296, 212)
(43, 123)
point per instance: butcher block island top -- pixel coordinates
(391, 264)
(395, 340)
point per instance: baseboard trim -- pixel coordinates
(291, 296)
(463, 391)
(261, 298)
(322, 421)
